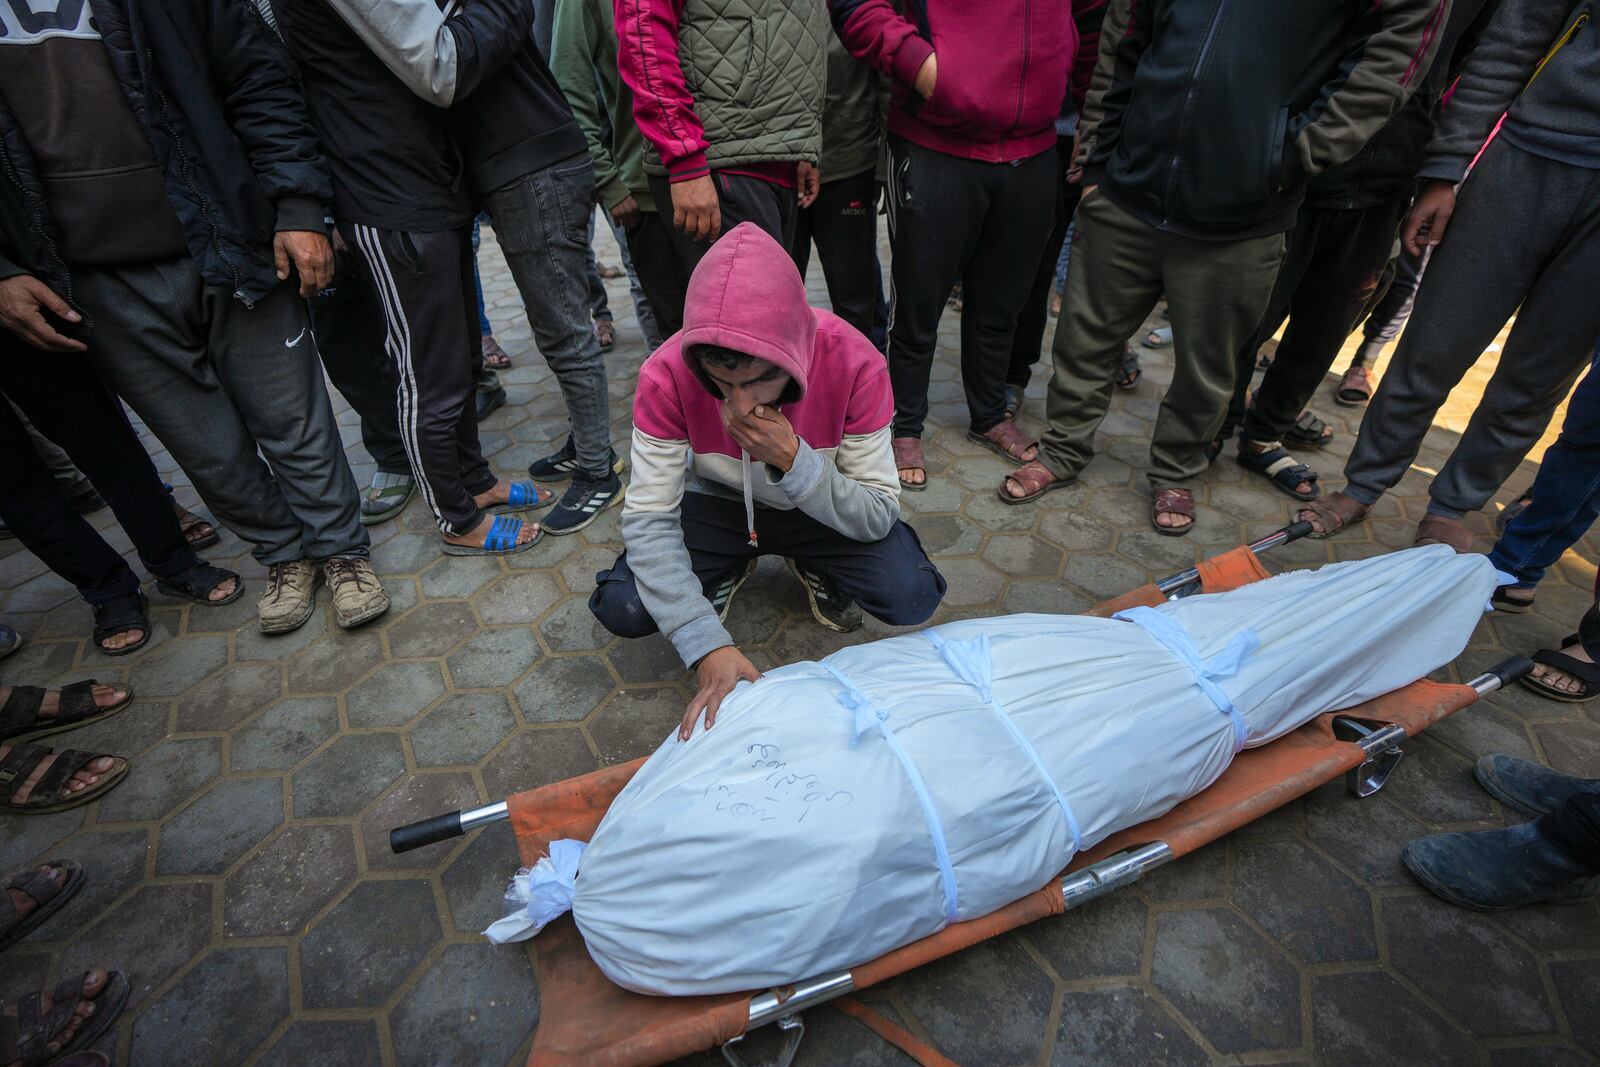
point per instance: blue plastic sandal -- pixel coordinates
(526, 496)
(501, 540)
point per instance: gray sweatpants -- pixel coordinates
(216, 382)
(1524, 240)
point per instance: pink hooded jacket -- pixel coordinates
(747, 295)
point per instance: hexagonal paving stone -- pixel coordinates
(1045, 595)
(285, 734)
(1098, 940)
(970, 582)
(462, 729)
(1468, 964)
(653, 659)
(1555, 927)
(1354, 1015)
(1022, 555)
(432, 630)
(1364, 835)
(994, 981)
(345, 1043)
(475, 883)
(1541, 1056)
(1121, 1025)
(1102, 575)
(1209, 963)
(1200, 875)
(395, 694)
(177, 665)
(476, 1004)
(989, 511)
(564, 688)
(219, 1012)
(149, 937)
(405, 553)
(948, 535)
(252, 644)
(635, 722)
(1437, 784)
(517, 598)
(415, 797)
(572, 627)
(1573, 747)
(347, 775)
(232, 696)
(1578, 983)
(536, 757)
(459, 576)
(333, 663)
(283, 886)
(494, 658)
(162, 779)
(1316, 913)
(27, 837)
(368, 944)
(117, 858)
(211, 834)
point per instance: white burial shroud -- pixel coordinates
(842, 808)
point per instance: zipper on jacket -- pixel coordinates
(44, 231)
(186, 169)
(1561, 42)
(1188, 102)
(1022, 87)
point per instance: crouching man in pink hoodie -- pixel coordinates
(760, 427)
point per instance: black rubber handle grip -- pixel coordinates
(1510, 670)
(427, 832)
(1296, 530)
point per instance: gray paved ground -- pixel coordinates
(242, 880)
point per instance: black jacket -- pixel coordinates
(516, 122)
(1386, 167)
(1205, 117)
(228, 125)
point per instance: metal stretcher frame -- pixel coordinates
(587, 1020)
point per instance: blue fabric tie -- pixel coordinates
(973, 664)
(866, 717)
(1224, 664)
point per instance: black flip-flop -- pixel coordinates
(19, 715)
(131, 612)
(197, 582)
(1587, 673)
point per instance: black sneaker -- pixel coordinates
(490, 401)
(722, 596)
(829, 606)
(581, 504)
(560, 466)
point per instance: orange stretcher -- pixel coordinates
(587, 1020)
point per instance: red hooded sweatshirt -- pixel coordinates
(1005, 67)
(747, 295)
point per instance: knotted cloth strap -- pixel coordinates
(1224, 664)
(972, 663)
(866, 717)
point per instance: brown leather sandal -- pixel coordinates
(20, 719)
(27, 1031)
(1173, 502)
(48, 895)
(908, 456)
(47, 796)
(1355, 388)
(1332, 513)
(1005, 440)
(1438, 530)
(1036, 479)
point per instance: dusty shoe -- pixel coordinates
(358, 596)
(1528, 787)
(290, 596)
(829, 606)
(1492, 869)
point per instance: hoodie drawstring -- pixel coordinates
(749, 498)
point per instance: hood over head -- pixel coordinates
(747, 295)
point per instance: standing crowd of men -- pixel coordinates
(207, 207)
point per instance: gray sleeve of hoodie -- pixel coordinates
(857, 492)
(440, 54)
(652, 533)
(1521, 33)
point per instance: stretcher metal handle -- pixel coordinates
(444, 827)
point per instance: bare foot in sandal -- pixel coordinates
(27, 718)
(1561, 680)
(909, 462)
(93, 984)
(475, 537)
(1173, 511)
(83, 778)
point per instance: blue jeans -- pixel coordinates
(1566, 492)
(484, 326)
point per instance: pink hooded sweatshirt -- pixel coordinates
(747, 295)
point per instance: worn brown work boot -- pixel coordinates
(358, 596)
(290, 596)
